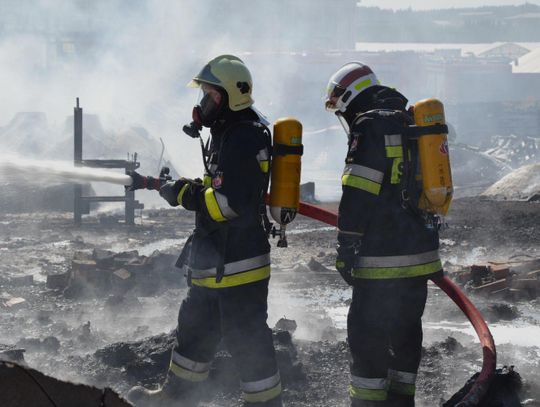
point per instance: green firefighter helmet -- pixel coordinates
(229, 73)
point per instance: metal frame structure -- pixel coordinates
(82, 203)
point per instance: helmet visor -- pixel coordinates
(332, 102)
(205, 76)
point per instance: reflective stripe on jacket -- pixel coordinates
(411, 265)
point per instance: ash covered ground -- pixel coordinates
(118, 336)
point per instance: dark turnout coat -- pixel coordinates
(229, 246)
(391, 239)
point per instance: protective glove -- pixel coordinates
(345, 265)
(142, 182)
(170, 190)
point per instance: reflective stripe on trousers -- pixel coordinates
(367, 388)
(236, 273)
(262, 390)
(188, 369)
(402, 382)
(382, 267)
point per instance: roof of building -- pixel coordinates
(506, 49)
(528, 63)
(465, 48)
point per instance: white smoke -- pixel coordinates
(15, 169)
(427, 4)
(129, 62)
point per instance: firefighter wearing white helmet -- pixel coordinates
(345, 85)
(387, 248)
(227, 258)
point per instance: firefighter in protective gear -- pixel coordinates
(387, 250)
(228, 255)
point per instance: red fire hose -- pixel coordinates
(479, 388)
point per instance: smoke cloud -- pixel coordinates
(129, 62)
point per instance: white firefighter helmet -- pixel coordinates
(348, 82)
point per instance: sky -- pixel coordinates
(430, 4)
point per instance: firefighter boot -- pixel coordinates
(400, 400)
(173, 391)
(370, 403)
(275, 402)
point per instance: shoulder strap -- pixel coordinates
(414, 131)
(399, 116)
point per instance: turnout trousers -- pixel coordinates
(385, 337)
(238, 316)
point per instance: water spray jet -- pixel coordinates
(13, 168)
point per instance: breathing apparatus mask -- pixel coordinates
(334, 102)
(209, 108)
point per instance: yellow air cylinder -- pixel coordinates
(286, 166)
(434, 159)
